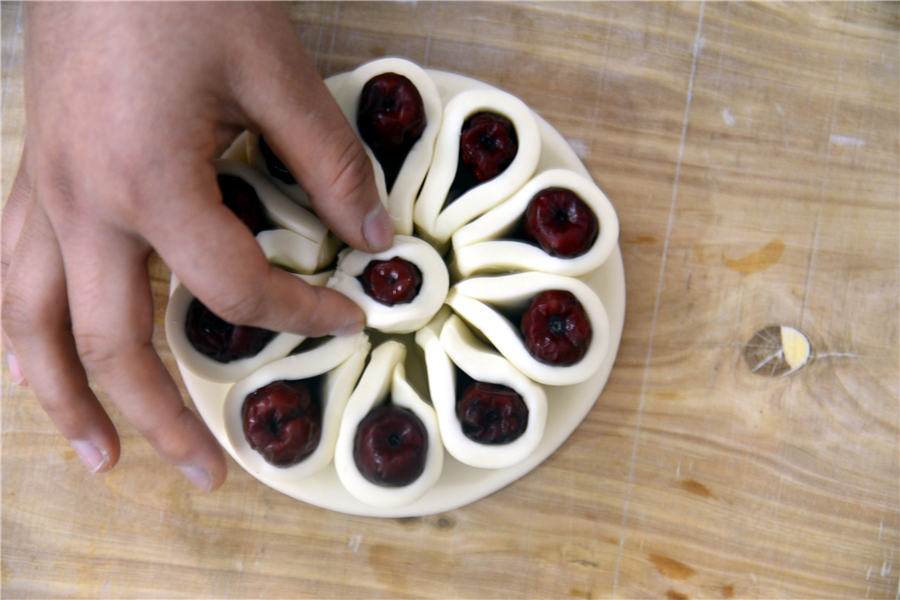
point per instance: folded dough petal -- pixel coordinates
(399, 318)
(293, 252)
(286, 213)
(477, 301)
(481, 246)
(437, 221)
(256, 160)
(280, 247)
(402, 195)
(449, 344)
(339, 362)
(385, 377)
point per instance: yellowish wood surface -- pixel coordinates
(752, 154)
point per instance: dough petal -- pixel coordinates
(399, 318)
(286, 213)
(475, 300)
(401, 198)
(281, 247)
(437, 221)
(256, 160)
(449, 344)
(481, 246)
(339, 361)
(385, 377)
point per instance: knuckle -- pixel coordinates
(353, 171)
(169, 434)
(98, 352)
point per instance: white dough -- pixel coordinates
(438, 222)
(385, 376)
(402, 195)
(446, 342)
(341, 360)
(469, 333)
(399, 318)
(286, 213)
(280, 246)
(479, 246)
(205, 367)
(256, 160)
(238, 149)
(471, 299)
(294, 252)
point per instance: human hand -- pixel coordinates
(126, 105)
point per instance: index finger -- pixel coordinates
(217, 258)
(305, 127)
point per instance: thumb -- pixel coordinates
(282, 94)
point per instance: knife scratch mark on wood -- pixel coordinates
(762, 259)
(846, 140)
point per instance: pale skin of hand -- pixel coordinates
(126, 106)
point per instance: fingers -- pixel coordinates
(220, 261)
(286, 98)
(112, 320)
(35, 317)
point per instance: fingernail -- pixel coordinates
(378, 229)
(199, 476)
(14, 369)
(92, 457)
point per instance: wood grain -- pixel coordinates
(751, 151)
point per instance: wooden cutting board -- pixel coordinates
(751, 152)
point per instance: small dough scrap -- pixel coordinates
(480, 246)
(402, 195)
(474, 300)
(286, 213)
(447, 341)
(340, 360)
(399, 318)
(438, 222)
(385, 377)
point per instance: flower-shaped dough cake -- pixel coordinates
(475, 314)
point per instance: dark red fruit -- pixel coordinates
(394, 281)
(276, 168)
(491, 413)
(241, 198)
(561, 222)
(556, 328)
(390, 446)
(391, 113)
(219, 339)
(391, 119)
(283, 422)
(487, 144)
